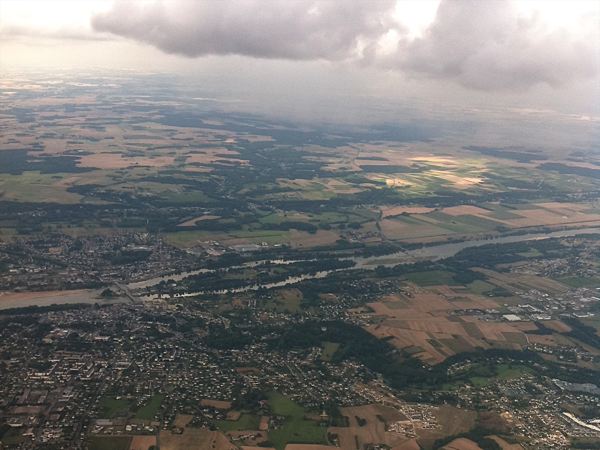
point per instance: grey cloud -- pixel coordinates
(479, 44)
(296, 29)
(485, 45)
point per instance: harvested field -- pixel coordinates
(142, 442)
(321, 237)
(264, 423)
(552, 340)
(462, 444)
(463, 210)
(452, 421)
(554, 213)
(403, 230)
(429, 224)
(557, 325)
(233, 415)
(182, 420)
(309, 447)
(408, 445)
(505, 445)
(10, 300)
(367, 425)
(422, 325)
(516, 281)
(194, 439)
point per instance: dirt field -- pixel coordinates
(408, 445)
(367, 425)
(321, 237)
(194, 439)
(422, 324)
(399, 230)
(251, 447)
(462, 444)
(557, 325)
(452, 421)
(309, 447)
(45, 298)
(464, 210)
(142, 442)
(182, 420)
(505, 445)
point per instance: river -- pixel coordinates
(429, 253)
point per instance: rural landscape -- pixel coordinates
(179, 272)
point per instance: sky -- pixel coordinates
(526, 58)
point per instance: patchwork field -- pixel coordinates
(367, 425)
(194, 439)
(425, 324)
(412, 224)
(306, 192)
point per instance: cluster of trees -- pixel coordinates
(218, 280)
(582, 332)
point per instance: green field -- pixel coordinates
(109, 443)
(286, 300)
(11, 437)
(36, 187)
(245, 422)
(111, 406)
(149, 410)
(578, 282)
(329, 349)
(503, 372)
(295, 429)
(480, 375)
(595, 322)
(431, 278)
(480, 287)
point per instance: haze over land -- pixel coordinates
(299, 225)
(488, 65)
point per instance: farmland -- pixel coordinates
(205, 168)
(184, 276)
(295, 428)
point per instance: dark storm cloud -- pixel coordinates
(479, 44)
(296, 29)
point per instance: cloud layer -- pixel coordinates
(486, 45)
(480, 45)
(298, 29)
